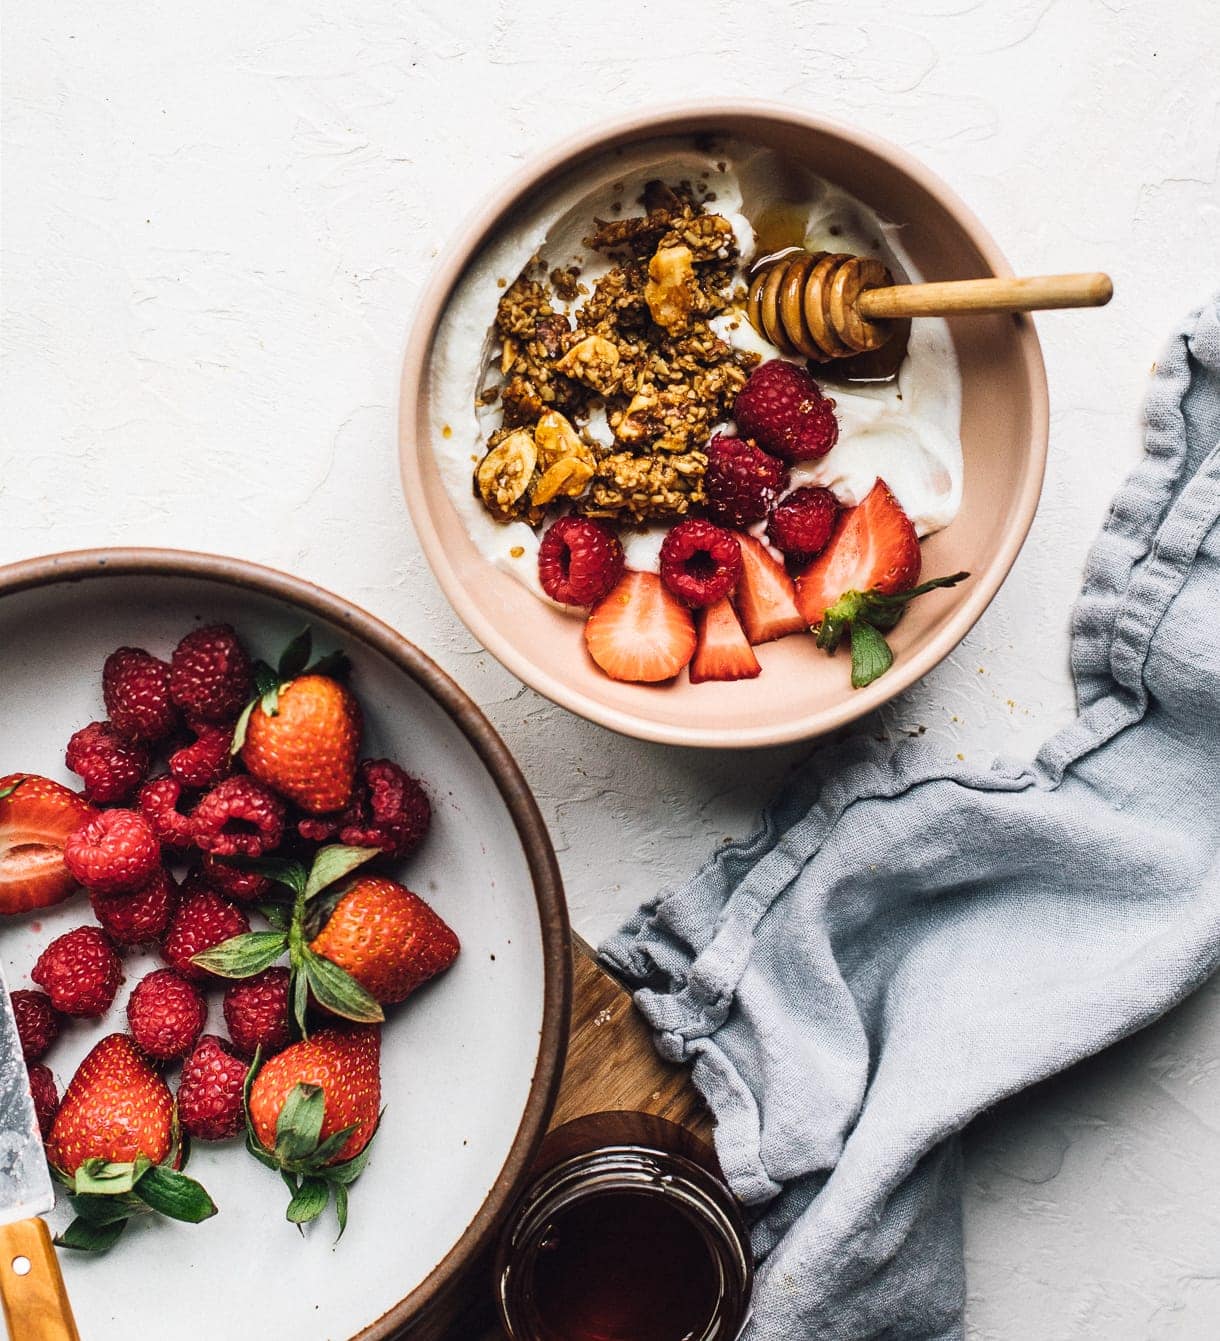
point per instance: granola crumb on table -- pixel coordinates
(638, 347)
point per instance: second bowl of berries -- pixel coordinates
(266, 878)
(670, 490)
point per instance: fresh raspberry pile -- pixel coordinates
(160, 859)
(742, 481)
(700, 562)
(579, 561)
(782, 408)
(802, 523)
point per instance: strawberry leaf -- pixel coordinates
(338, 991)
(340, 1191)
(90, 1238)
(243, 956)
(870, 654)
(299, 1124)
(99, 1177)
(331, 1146)
(175, 1195)
(351, 1169)
(333, 863)
(295, 657)
(6, 792)
(300, 1001)
(265, 679)
(309, 1201)
(333, 664)
(240, 729)
(104, 1210)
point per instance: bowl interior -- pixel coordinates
(801, 692)
(457, 1065)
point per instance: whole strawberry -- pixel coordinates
(211, 1089)
(306, 749)
(202, 920)
(782, 408)
(112, 1142)
(256, 1012)
(80, 972)
(115, 1108)
(114, 852)
(37, 817)
(135, 687)
(387, 938)
(210, 674)
(312, 1111)
(110, 765)
(166, 1015)
(139, 916)
(38, 1023)
(45, 1096)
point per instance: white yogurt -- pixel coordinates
(906, 432)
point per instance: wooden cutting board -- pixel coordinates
(611, 1064)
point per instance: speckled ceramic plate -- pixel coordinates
(801, 692)
(470, 1064)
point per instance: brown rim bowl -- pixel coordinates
(801, 693)
(54, 572)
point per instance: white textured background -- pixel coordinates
(216, 222)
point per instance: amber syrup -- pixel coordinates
(624, 1266)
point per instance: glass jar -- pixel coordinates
(627, 1233)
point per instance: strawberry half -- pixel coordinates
(861, 582)
(874, 548)
(724, 652)
(639, 632)
(36, 818)
(766, 598)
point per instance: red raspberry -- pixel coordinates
(388, 809)
(142, 915)
(231, 881)
(239, 817)
(207, 760)
(782, 408)
(158, 802)
(166, 1015)
(579, 561)
(700, 562)
(45, 1096)
(210, 675)
(135, 686)
(81, 973)
(111, 765)
(113, 853)
(742, 481)
(256, 1011)
(38, 1022)
(210, 1091)
(802, 523)
(202, 919)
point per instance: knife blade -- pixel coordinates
(32, 1291)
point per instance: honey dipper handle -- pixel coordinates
(1034, 294)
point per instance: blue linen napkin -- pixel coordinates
(904, 943)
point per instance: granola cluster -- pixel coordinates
(637, 347)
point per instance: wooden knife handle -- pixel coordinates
(36, 1305)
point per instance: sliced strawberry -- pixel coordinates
(639, 631)
(36, 817)
(874, 548)
(765, 597)
(723, 653)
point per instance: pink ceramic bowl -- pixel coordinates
(801, 693)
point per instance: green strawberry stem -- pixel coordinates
(253, 951)
(105, 1195)
(862, 615)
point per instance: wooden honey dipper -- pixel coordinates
(831, 305)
